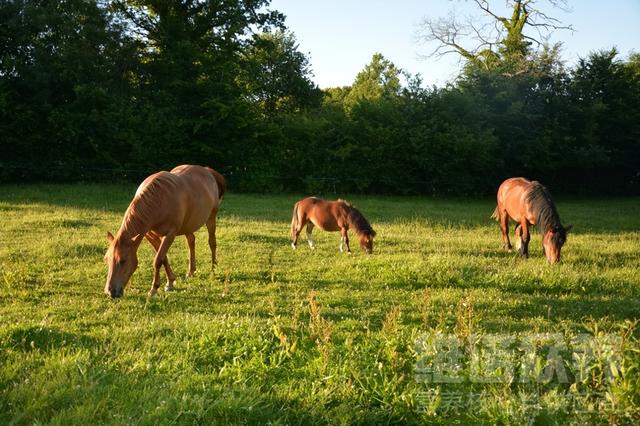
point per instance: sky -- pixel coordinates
(340, 36)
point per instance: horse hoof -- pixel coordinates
(153, 292)
(168, 288)
(293, 246)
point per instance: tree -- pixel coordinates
(189, 92)
(495, 40)
(380, 79)
(63, 83)
(604, 112)
(276, 76)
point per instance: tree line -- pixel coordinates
(103, 90)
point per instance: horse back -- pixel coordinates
(199, 180)
(512, 198)
(327, 215)
(194, 198)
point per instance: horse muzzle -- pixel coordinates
(553, 259)
(114, 293)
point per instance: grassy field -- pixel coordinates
(310, 337)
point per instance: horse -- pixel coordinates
(331, 216)
(165, 205)
(529, 203)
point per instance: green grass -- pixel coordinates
(277, 336)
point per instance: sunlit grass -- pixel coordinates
(244, 344)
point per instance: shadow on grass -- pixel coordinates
(103, 198)
(82, 251)
(47, 339)
(76, 393)
(576, 308)
(234, 291)
(607, 260)
(596, 216)
(266, 239)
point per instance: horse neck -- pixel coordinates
(546, 215)
(134, 222)
(356, 221)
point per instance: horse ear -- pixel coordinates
(110, 237)
(568, 228)
(137, 239)
(373, 233)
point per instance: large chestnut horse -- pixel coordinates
(166, 204)
(331, 216)
(529, 203)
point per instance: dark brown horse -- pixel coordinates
(166, 204)
(331, 216)
(529, 203)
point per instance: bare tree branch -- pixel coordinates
(484, 5)
(473, 36)
(446, 32)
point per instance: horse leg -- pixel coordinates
(155, 241)
(504, 227)
(160, 260)
(526, 236)
(344, 240)
(191, 244)
(211, 227)
(518, 237)
(296, 228)
(312, 244)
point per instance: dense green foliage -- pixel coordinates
(304, 337)
(118, 89)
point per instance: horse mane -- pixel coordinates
(357, 221)
(543, 209)
(145, 205)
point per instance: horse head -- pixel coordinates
(366, 241)
(552, 242)
(122, 261)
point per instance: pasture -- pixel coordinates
(310, 337)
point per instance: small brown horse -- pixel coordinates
(530, 203)
(331, 216)
(166, 204)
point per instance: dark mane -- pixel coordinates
(542, 207)
(357, 221)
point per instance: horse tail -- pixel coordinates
(220, 181)
(294, 220)
(495, 214)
